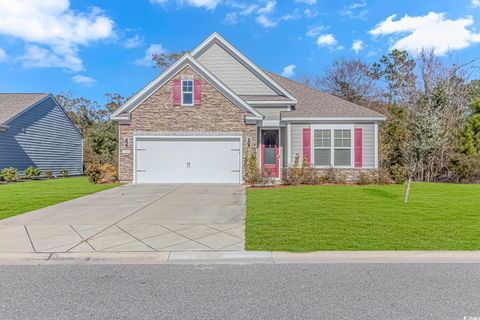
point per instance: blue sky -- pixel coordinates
(93, 47)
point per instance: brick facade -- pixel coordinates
(157, 113)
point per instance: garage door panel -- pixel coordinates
(187, 160)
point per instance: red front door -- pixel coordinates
(270, 152)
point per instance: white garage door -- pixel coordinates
(188, 160)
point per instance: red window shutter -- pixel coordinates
(197, 91)
(306, 145)
(176, 92)
(358, 147)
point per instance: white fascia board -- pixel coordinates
(271, 103)
(216, 37)
(187, 59)
(119, 118)
(271, 123)
(334, 119)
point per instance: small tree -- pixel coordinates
(252, 172)
(422, 141)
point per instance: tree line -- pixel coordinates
(432, 132)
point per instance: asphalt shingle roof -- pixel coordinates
(12, 104)
(313, 103)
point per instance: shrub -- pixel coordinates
(48, 173)
(9, 174)
(266, 178)
(295, 175)
(383, 176)
(252, 172)
(365, 177)
(333, 175)
(94, 172)
(109, 173)
(64, 173)
(32, 172)
(398, 174)
(101, 173)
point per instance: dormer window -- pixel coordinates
(187, 92)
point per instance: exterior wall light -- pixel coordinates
(125, 141)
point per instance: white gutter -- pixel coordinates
(334, 119)
(271, 103)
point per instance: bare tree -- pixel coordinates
(350, 80)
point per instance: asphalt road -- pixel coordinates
(321, 291)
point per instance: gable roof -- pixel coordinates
(312, 103)
(259, 74)
(12, 104)
(185, 60)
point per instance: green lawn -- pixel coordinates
(311, 218)
(22, 197)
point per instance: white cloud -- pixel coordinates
(244, 10)
(262, 13)
(151, 50)
(39, 57)
(309, 2)
(295, 15)
(315, 31)
(266, 22)
(309, 13)
(289, 71)
(268, 8)
(133, 42)
(83, 80)
(355, 10)
(432, 31)
(207, 4)
(326, 40)
(476, 3)
(3, 55)
(54, 25)
(357, 46)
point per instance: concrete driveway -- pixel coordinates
(135, 217)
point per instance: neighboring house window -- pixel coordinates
(187, 92)
(332, 147)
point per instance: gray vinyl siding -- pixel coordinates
(368, 144)
(43, 137)
(232, 73)
(271, 113)
(297, 141)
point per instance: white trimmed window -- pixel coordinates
(332, 146)
(187, 92)
(342, 146)
(322, 144)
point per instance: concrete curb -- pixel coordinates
(240, 257)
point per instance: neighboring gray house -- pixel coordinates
(199, 118)
(36, 131)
